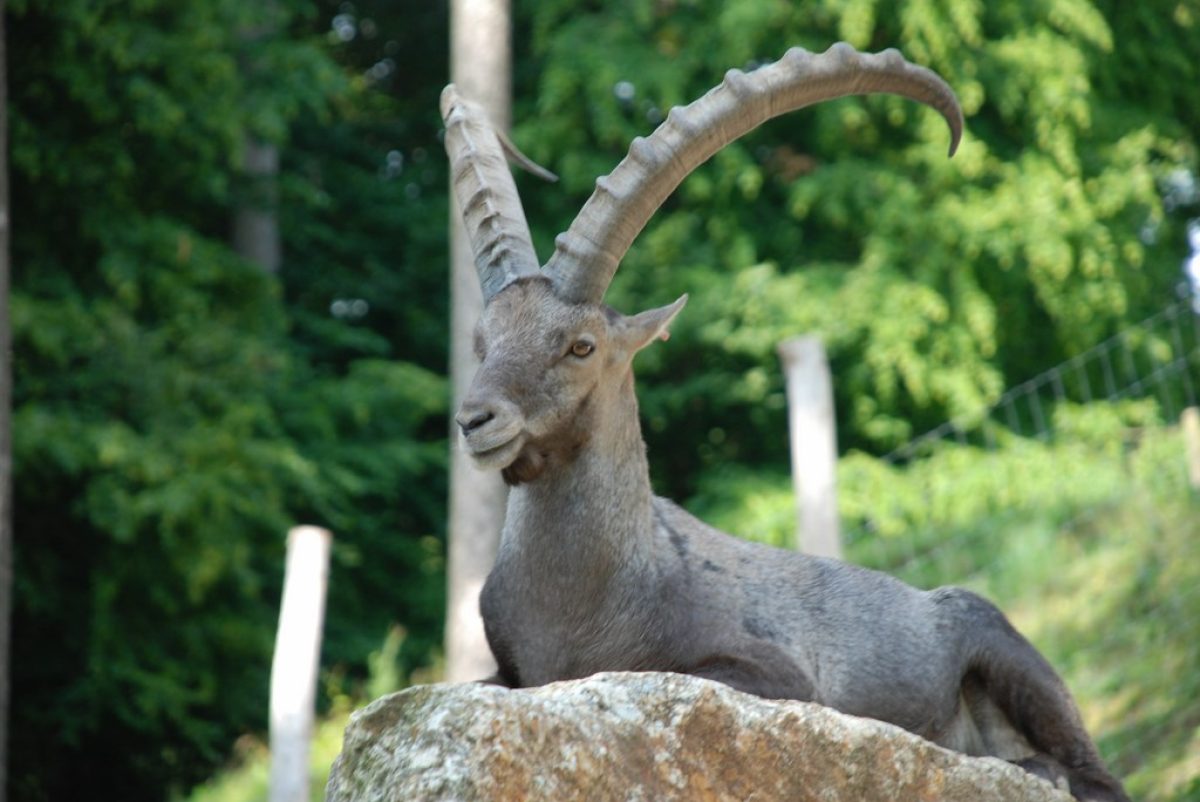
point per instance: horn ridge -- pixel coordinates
(487, 196)
(587, 254)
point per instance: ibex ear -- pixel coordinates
(643, 328)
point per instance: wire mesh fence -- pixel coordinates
(1151, 370)
(1062, 467)
(1157, 358)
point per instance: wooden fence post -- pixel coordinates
(813, 432)
(1190, 422)
(294, 667)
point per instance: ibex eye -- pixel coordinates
(582, 348)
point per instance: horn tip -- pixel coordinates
(448, 100)
(956, 130)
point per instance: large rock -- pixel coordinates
(646, 737)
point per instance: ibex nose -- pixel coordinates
(471, 419)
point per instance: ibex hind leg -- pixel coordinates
(980, 727)
(1032, 697)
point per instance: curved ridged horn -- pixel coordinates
(586, 255)
(487, 196)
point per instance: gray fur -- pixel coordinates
(595, 573)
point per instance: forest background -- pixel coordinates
(176, 408)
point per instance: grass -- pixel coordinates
(246, 779)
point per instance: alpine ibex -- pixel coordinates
(596, 573)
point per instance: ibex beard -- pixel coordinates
(596, 573)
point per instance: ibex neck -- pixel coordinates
(594, 510)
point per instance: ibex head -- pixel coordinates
(548, 370)
(552, 355)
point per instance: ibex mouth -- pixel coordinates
(489, 456)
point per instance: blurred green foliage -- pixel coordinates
(935, 283)
(247, 777)
(177, 410)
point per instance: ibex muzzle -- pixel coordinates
(595, 573)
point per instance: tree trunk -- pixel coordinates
(255, 216)
(481, 66)
(6, 578)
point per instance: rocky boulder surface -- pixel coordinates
(643, 736)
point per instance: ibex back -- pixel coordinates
(595, 573)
